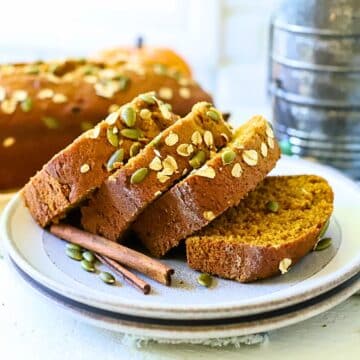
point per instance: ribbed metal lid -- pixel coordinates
(322, 17)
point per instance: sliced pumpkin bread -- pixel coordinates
(207, 192)
(270, 230)
(185, 145)
(71, 175)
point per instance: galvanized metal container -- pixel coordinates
(315, 80)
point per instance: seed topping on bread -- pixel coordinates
(284, 265)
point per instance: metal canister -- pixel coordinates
(315, 80)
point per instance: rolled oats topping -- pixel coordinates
(59, 98)
(171, 139)
(270, 142)
(284, 265)
(170, 163)
(196, 138)
(145, 114)
(206, 171)
(263, 149)
(165, 93)
(19, 95)
(45, 94)
(156, 164)
(236, 171)
(8, 106)
(185, 149)
(208, 138)
(113, 108)
(250, 157)
(269, 132)
(9, 141)
(2, 93)
(84, 168)
(185, 93)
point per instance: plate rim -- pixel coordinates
(188, 332)
(168, 311)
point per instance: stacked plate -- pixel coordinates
(186, 311)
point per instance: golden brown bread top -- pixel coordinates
(210, 190)
(171, 155)
(92, 157)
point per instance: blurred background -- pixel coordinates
(224, 41)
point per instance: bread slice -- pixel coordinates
(206, 193)
(175, 152)
(71, 175)
(251, 242)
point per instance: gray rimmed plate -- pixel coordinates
(41, 256)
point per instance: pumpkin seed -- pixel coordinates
(73, 246)
(123, 82)
(107, 277)
(135, 148)
(324, 229)
(198, 159)
(128, 115)
(228, 157)
(112, 138)
(149, 99)
(139, 175)
(213, 115)
(272, 206)
(87, 265)
(89, 256)
(323, 244)
(160, 69)
(26, 105)
(116, 157)
(74, 254)
(204, 280)
(50, 122)
(133, 134)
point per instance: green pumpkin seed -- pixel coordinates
(149, 99)
(198, 159)
(26, 105)
(87, 265)
(50, 122)
(134, 149)
(213, 115)
(74, 254)
(107, 277)
(128, 115)
(89, 256)
(323, 244)
(272, 206)
(228, 157)
(324, 229)
(133, 134)
(73, 246)
(155, 140)
(204, 280)
(116, 157)
(86, 125)
(112, 138)
(139, 175)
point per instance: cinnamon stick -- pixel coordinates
(129, 277)
(131, 258)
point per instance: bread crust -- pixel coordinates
(230, 258)
(75, 101)
(194, 202)
(74, 173)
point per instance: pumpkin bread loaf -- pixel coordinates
(207, 192)
(45, 106)
(71, 175)
(185, 145)
(270, 230)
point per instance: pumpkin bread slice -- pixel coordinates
(270, 230)
(71, 175)
(185, 145)
(207, 192)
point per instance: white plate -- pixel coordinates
(42, 257)
(190, 330)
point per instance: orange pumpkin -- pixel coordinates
(147, 55)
